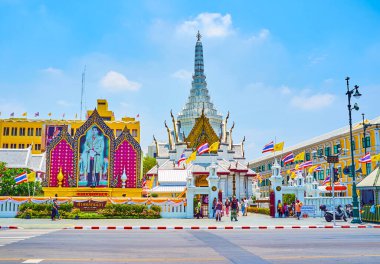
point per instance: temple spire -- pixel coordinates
(198, 61)
(199, 36)
(199, 100)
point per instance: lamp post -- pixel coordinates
(355, 202)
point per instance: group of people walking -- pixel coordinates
(230, 206)
(293, 209)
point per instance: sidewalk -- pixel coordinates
(252, 220)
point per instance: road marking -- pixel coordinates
(121, 260)
(323, 257)
(10, 236)
(33, 261)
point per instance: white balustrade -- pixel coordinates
(8, 209)
(328, 201)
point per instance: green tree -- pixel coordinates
(8, 186)
(148, 163)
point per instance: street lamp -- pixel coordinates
(354, 92)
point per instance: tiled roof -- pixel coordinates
(15, 158)
(168, 189)
(172, 176)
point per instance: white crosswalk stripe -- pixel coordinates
(9, 236)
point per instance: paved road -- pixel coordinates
(191, 246)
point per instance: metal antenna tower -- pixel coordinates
(82, 91)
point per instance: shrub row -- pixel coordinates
(66, 210)
(258, 210)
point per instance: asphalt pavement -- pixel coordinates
(190, 246)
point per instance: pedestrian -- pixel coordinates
(227, 206)
(279, 208)
(246, 206)
(234, 208)
(199, 209)
(298, 209)
(242, 207)
(219, 208)
(214, 207)
(54, 210)
(285, 210)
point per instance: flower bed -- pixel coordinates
(66, 211)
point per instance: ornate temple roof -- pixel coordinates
(199, 97)
(202, 132)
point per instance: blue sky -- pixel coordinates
(277, 66)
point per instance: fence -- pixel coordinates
(328, 201)
(8, 209)
(170, 208)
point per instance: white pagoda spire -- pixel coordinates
(199, 97)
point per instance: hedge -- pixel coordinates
(258, 210)
(66, 210)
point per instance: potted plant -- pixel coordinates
(28, 213)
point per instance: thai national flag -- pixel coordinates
(36, 114)
(288, 158)
(268, 147)
(181, 159)
(327, 180)
(21, 178)
(203, 148)
(319, 168)
(306, 164)
(366, 158)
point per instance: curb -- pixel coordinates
(217, 227)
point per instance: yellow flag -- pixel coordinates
(31, 176)
(192, 157)
(259, 178)
(279, 146)
(296, 167)
(25, 114)
(214, 146)
(49, 114)
(293, 175)
(288, 172)
(312, 168)
(300, 156)
(151, 182)
(376, 157)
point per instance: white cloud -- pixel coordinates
(182, 74)
(209, 24)
(53, 71)
(117, 82)
(312, 102)
(316, 59)
(63, 103)
(285, 90)
(261, 36)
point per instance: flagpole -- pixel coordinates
(28, 184)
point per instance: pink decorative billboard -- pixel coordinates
(93, 157)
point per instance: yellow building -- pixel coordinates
(20, 133)
(327, 144)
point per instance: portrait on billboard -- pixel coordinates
(51, 132)
(94, 158)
